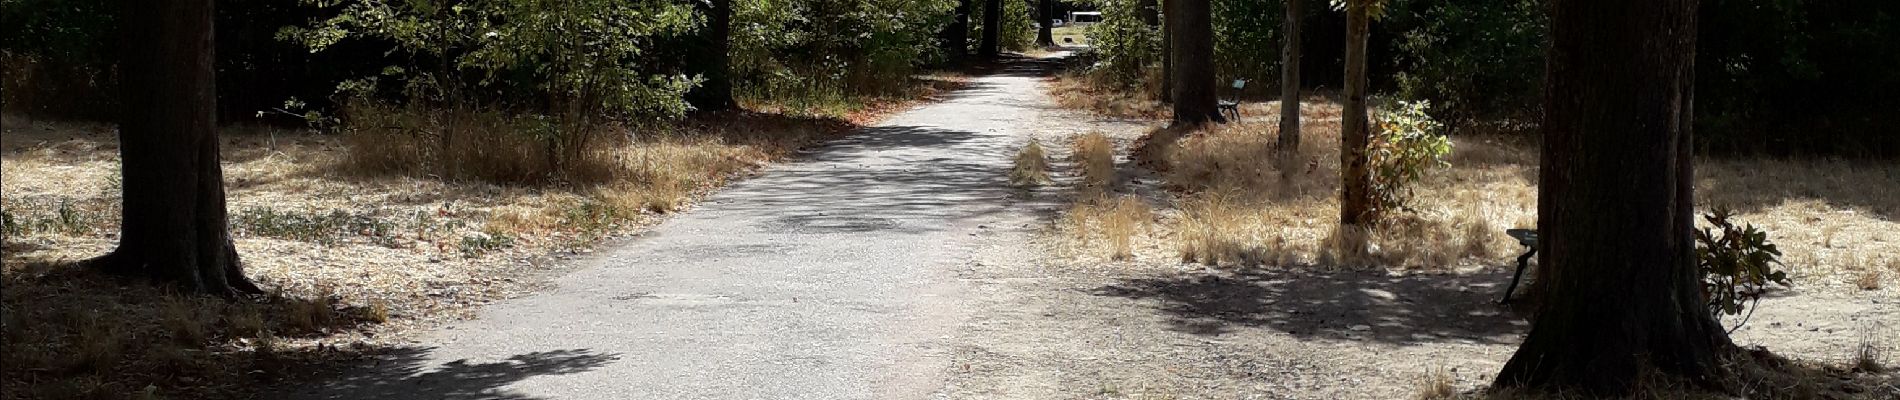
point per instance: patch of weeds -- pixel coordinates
(592, 220)
(8, 225)
(1095, 156)
(324, 228)
(1436, 384)
(476, 243)
(1031, 166)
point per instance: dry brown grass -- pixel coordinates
(1115, 223)
(1238, 203)
(1094, 158)
(360, 252)
(1031, 166)
(1436, 384)
(1074, 90)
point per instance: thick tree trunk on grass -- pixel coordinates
(1355, 196)
(715, 64)
(174, 227)
(992, 28)
(1616, 205)
(1192, 46)
(1289, 142)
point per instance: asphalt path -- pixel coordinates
(829, 277)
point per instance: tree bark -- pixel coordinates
(1355, 196)
(956, 37)
(1616, 209)
(1289, 142)
(1194, 95)
(174, 227)
(992, 28)
(715, 94)
(1046, 35)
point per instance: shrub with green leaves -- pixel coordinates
(1407, 143)
(1737, 263)
(556, 57)
(1122, 44)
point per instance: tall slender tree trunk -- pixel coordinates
(1046, 35)
(1150, 13)
(174, 227)
(1194, 95)
(1616, 205)
(715, 94)
(1289, 142)
(1167, 56)
(956, 37)
(1355, 196)
(992, 28)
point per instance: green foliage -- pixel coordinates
(66, 32)
(823, 53)
(1407, 144)
(1122, 44)
(1736, 263)
(1247, 39)
(575, 57)
(1019, 29)
(324, 228)
(1475, 59)
(474, 244)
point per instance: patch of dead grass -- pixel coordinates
(1236, 202)
(1094, 157)
(1031, 166)
(1112, 223)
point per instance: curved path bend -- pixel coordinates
(830, 277)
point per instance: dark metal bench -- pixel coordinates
(1528, 238)
(1233, 106)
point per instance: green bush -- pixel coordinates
(1736, 263)
(575, 58)
(1019, 29)
(1408, 143)
(1477, 59)
(1122, 45)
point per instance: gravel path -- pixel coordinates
(832, 277)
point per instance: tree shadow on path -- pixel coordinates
(1404, 310)
(404, 374)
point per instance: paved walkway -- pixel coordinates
(832, 277)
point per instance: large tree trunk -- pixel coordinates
(1355, 196)
(1046, 35)
(1193, 54)
(992, 28)
(715, 65)
(1289, 142)
(1616, 209)
(956, 37)
(174, 225)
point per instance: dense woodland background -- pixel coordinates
(1774, 77)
